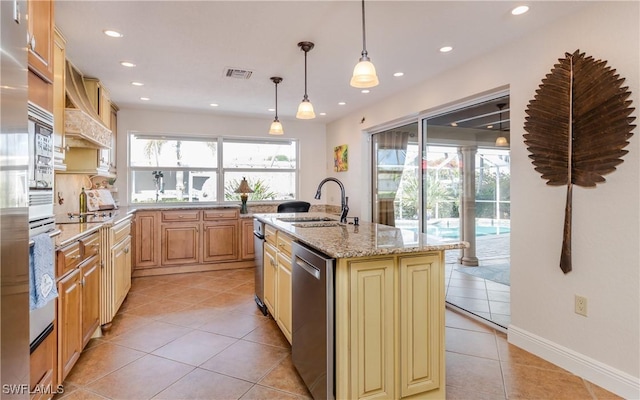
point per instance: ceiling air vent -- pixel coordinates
(237, 73)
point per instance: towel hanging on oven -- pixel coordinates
(42, 283)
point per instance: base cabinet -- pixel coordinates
(121, 259)
(270, 276)
(90, 284)
(69, 322)
(43, 369)
(277, 279)
(390, 327)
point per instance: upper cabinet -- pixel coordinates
(40, 38)
(59, 99)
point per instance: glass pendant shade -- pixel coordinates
(305, 110)
(364, 75)
(276, 128)
(501, 141)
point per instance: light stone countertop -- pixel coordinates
(348, 240)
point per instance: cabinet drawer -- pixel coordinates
(90, 245)
(283, 243)
(270, 234)
(67, 258)
(223, 213)
(182, 216)
(120, 231)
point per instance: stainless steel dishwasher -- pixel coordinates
(258, 245)
(312, 349)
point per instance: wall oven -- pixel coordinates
(40, 171)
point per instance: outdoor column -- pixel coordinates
(468, 205)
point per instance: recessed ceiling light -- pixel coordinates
(398, 74)
(271, 109)
(111, 33)
(214, 104)
(323, 113)
(342, 103)
(365, 91)
(489, 126)
(445, 49)
(127, 64)
(137, 83)
(145, 98)
(520, 10)
(454, 124)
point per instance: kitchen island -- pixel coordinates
(389, 302)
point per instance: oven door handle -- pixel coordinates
(52, 234)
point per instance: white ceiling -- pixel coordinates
(181, 48)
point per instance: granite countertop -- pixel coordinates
(347, 240)
(71, 231)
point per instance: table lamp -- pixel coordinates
(243, 189)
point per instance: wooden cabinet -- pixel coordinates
(40, 37)
(180, 243)
(187, 240)
(59, 99)
(146, 238)
(78, 302)
(270, 276)
(90, 282)
(121, 261)
(277, 278)
(390, 326)
(247, 250)
(43, 368)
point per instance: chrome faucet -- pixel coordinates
(344, 200)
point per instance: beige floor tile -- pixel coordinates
(526, 382)
(258, 392)
(470, 393)
(219, 284)
(195, 347)
(124, 322)
(82, 394)
(457, 320)
(227, 301)
(163, 290)
(135, 299)
(268, 333)
(233, 324)
(476, 306)
(141, 379)
(158, 309)
(205, 385)
(479, 344)
(99, 361)
(246, 360)
(285, 377)
(193, 295)
(193, 316)
(151, 336)
(480, 294)
(465, 372)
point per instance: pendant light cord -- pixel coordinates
(364, 35)
(276, 101)
(305, 76)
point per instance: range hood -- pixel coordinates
(82, 124)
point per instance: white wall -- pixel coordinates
(311, 137)
(604, 347)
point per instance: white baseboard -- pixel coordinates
(605, 376)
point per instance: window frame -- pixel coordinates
(219, 170)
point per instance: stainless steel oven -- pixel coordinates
(40, 171)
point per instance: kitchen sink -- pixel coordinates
(306, 219)
(322, 224)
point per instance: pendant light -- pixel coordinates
(364, 73)
(276, 126)
(305, 109)
(501, 141)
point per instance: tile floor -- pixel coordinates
(200, 336)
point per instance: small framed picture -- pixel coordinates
(341, 158)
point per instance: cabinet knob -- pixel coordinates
(32, 43)
(126, 250)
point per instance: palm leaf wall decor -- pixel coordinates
(577, 126)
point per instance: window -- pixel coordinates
(197, 169)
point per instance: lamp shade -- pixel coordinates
(305, 110)
(364, 75)
(244, 187)
(276, 128)
(501, 141)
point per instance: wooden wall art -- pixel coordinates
(577, 126)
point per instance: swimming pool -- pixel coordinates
(454, 232)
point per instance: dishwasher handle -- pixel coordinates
(258, 235)
(313, 271)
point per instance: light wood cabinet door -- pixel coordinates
(422, 322)
(90, 283)
(270, 276)
(40, 37)
(146, 239)
(372, 321)
(121, 259)
(220, 241)
(42, 367)
(59, 99)
(69, 320)
(247, 250)
(180, 244)
(283, 296)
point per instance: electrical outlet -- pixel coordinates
(581, 305)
